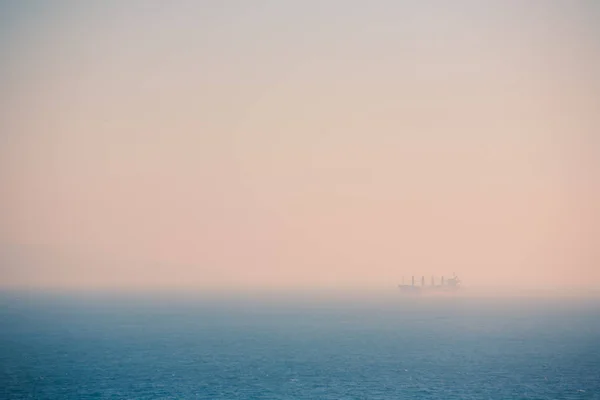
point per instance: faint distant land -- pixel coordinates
(448, 285)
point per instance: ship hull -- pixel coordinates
(407, 289)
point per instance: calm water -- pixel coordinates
(83, 348)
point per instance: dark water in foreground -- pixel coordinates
(82, 348)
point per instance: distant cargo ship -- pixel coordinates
(446, 285)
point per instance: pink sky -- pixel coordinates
(339, 145)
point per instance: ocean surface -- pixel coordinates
(128, 347)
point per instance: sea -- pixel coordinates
(148, 346)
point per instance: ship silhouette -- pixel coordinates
(446, 285)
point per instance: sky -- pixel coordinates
(316, 144)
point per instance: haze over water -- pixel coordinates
(84, 347)
(218, 199)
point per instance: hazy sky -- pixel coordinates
(261, 144)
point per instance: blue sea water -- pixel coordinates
(77, 347)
